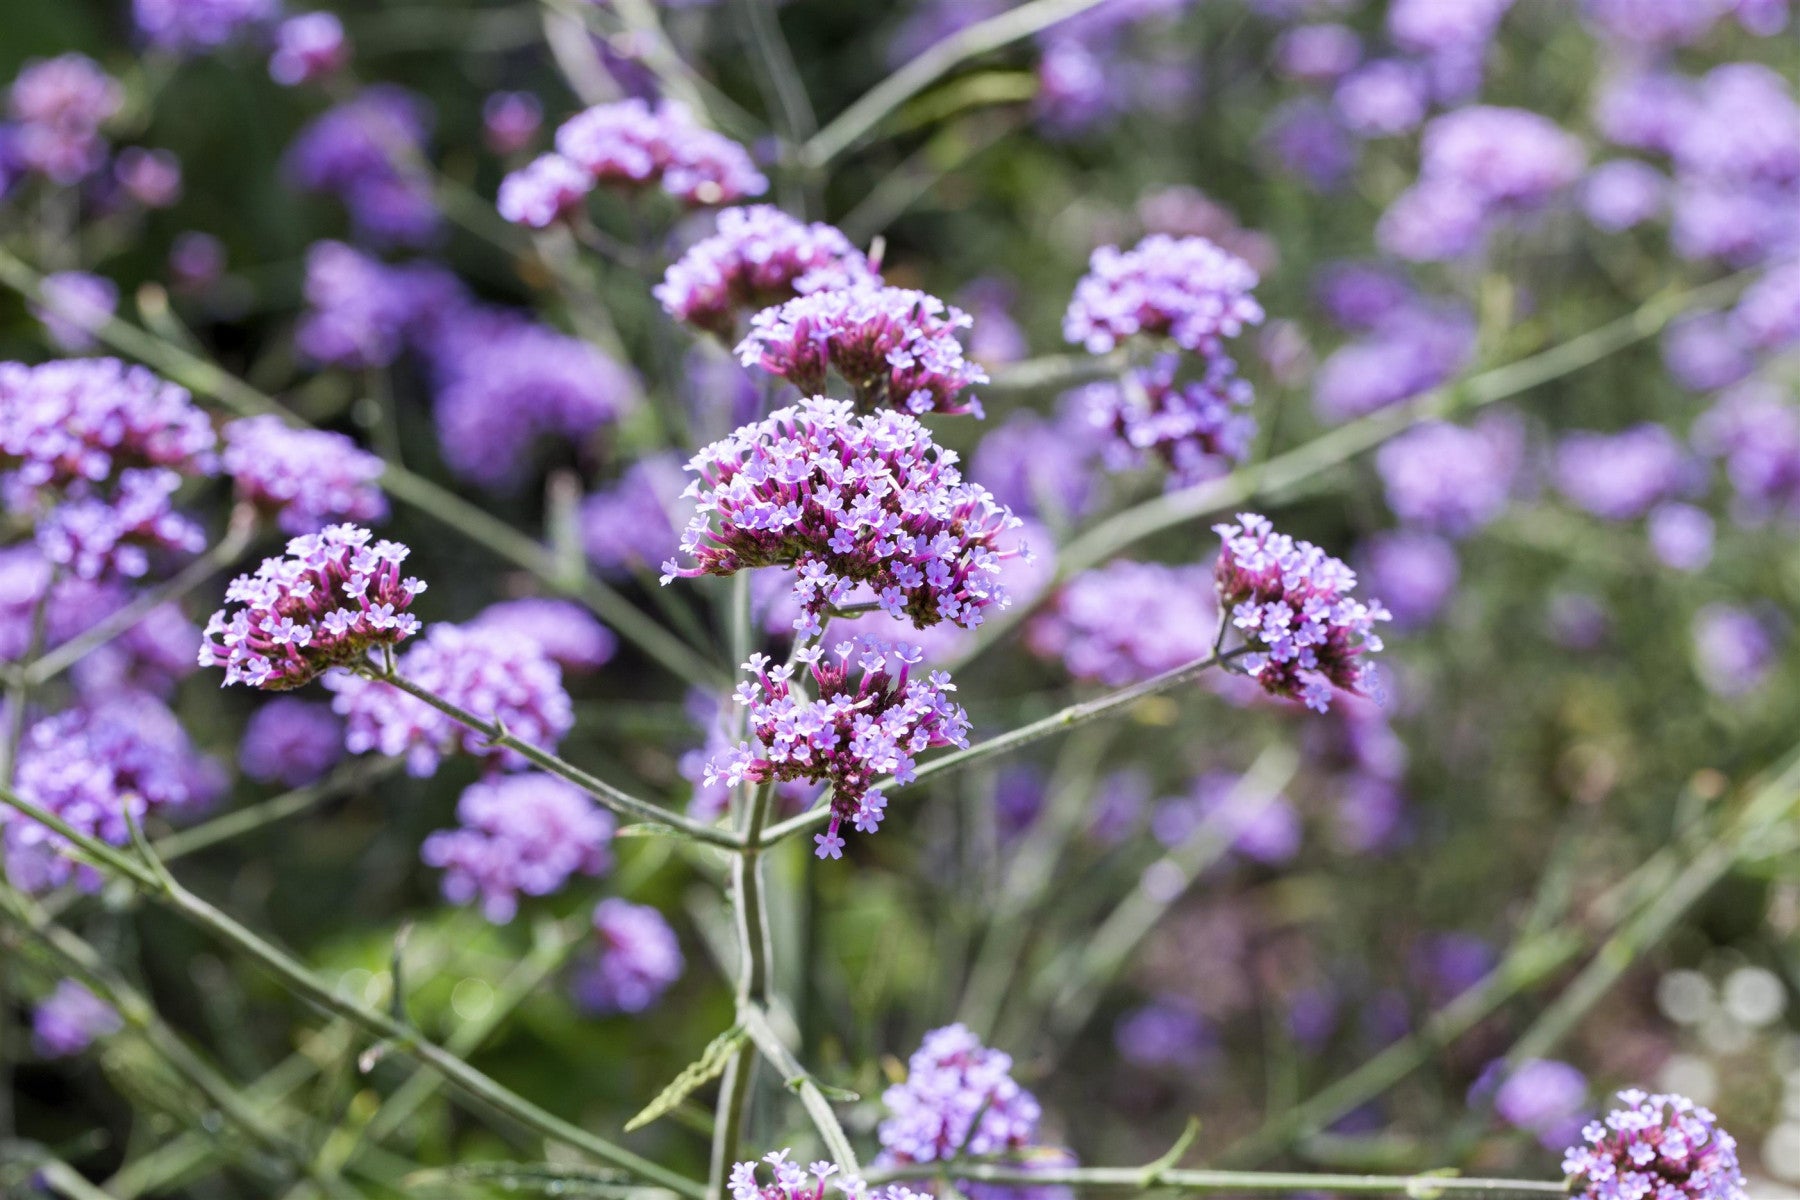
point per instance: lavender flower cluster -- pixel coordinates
(305, 478)
(1127, 621)
(1185, 289)
(847, 500)
(1292, 603)
(637, 958)
(328, 603)
(788, 1182)
(1196, 430)
(70, 1019)
(894, 347)
(1657, 1147)
(759, 257)
(869, 718)
(518, 835)
(56, 110)
(365, 152)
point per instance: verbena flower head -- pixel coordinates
(1416, 573)
(548, 189)
(1660, 1147)
(1755, 429)
(357, 152)
(1658, 23)
(1620, 476)
(1166, 1035)
(628, 526)
(362, 313)
(788, 1182)
(519, 835)
(70, 1019)
(895, 347)
(848, 499)
(1196, 430)
(496, 675)
(1412, 350)
(334, 597)
(509, 120)
(630, 143)
(1450, 478)
(1383, 98)
(194, 26)
(759, 257)
(150, 177)
(1291, 602)
(637, 958)
(1622, 193)
(866, 717)
(1735, 648)
(1185, 289)
(1041, 465)
(1507, 157)
(569, 635)
(291, 741)
(308, 47)
(1768, 313)
(1126, 621)
(99, 768)
(959, 1096)
(1541, 1096)
(74, 305)
(305, 478)
(57, 107)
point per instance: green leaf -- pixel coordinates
(697, 1074)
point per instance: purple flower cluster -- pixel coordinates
(627, 526)
(1476, 165)
(305, 478)
(1383, 98)
(70, 1019)
(1166, 1035)
(1292, 603)
(848, 499)
(1452, 479)
(1412, 349)
(869, 718)
(308, 47)
(57, 107)
(509, 120)
(1655, 23)
(760, 257)
(1185, 289)
(1416, 572)
(94, 450)
(1126, 621)
(74, 305)
(498, 676)
(1735, 648)
(1195, 429)
(150, 177)
(362, 313)
(1540, 1096)
(1768, 313)
(789, 1182)
(197, 26)
(1623, 193)
(638, 958)
(1621, 476)
(1655, 1148)
(567, 633)
(330, 601)
(1754, 429)
(959, 1098)
(630, 144)
(895, 347)
(291, 741)
(518, 835)
(1042, 465)
(99, 769)
(359, 152)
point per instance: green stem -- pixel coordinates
(400, 1035)
(854, 125)
(623, 803)
(227, 826)
(755, 1020)
(1154, 1178)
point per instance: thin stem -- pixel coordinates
(239, 822)
(1057, 722)
(621, 802)
(400, 1035)
(53, 663)
(755, 1020)
(1173, 1179)
(854, 125)
(782, 73)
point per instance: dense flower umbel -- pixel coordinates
(57, 107)
(789, 1182)
(632, 144)
(1126, 621)
(1292, 603)
(848, 499)
(545, 191)
(1196, 429)
(759, 257)
(638, 958)
(497, 675)
(959, 1098)
(519, 835)
(856, 730)
(69, 1019)
(1186, 289)
(327, 603)
(1660, 1147)
(306, 478)
(895, 347)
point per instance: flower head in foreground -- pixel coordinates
(1196, 429)
(895, 347)
(70, 1019)
(1292, 603)
(848, 499)
(632, 144)
(759, 257)
(869, 719)
(519, 835)
(327, 603)
(497, 675)
(789, 1182)
(1185, 289)
(959, 1098)
(1659, 1147)
(306, 478)
(639, 957)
